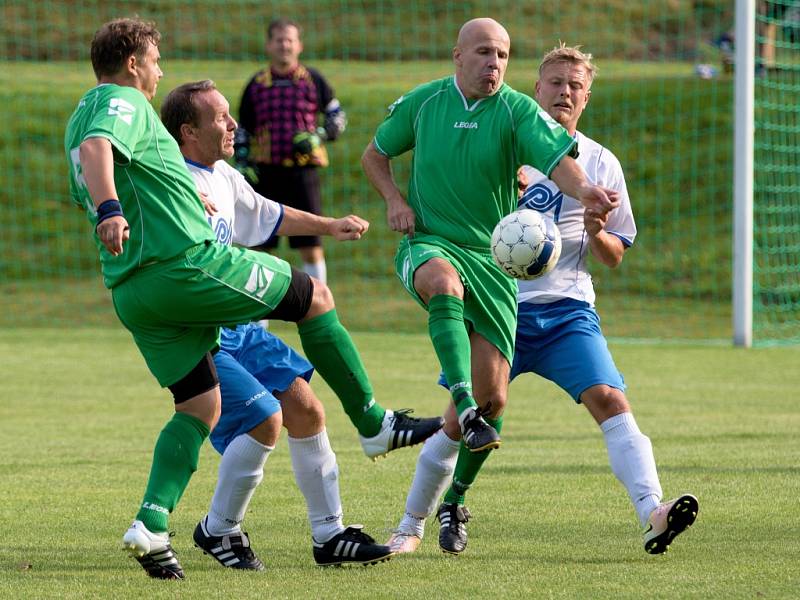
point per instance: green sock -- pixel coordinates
(330, 349)
(467, 466)
(451, 343)
(174, 461)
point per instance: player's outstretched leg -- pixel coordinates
(667, 521)
(351, 546)
(331, 350)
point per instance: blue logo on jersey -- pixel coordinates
(540, 197)
(222, 229)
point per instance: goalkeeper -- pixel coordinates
(279, 145)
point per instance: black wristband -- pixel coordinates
(109, 208)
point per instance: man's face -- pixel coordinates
(563, 91)
(481, 60)
(284, 47)
(214, 131)
(148, 73)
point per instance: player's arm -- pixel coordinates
(570, 179)
(378, 169)
(300, 222)
(97, 165)
(604, 246)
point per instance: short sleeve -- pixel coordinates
(395, 135)
(541, 141)
(122, 118)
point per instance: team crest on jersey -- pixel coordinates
(544, 199)
(465, 125)
(121, 108)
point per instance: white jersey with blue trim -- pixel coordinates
(243, 216)
(570, 277)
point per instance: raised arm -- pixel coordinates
(378, 169)
(300, 222)
(97, 166)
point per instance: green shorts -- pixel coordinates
(174, 309)
(490, 296)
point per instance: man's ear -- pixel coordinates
(131, 64)
(188, 132)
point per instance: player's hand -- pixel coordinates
(522, 181)
(351, 227)
(114, 232)
(400, 217)
(598, 199)
(208, 203)
(594, 222)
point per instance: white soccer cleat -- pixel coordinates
(399, 430)
(153, 551)
(668, 520)
(403, 543)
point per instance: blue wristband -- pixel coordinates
(109, 208)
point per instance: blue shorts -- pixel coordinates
(252, 365)
(562, 342)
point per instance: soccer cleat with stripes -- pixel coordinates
(667, 521)
(232, 550)
(453, 527)
(153, 551)
(399, 430)
(477, 434)
(351, 546)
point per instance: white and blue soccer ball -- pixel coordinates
(526, 244)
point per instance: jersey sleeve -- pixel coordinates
(395, 135)
(256, 218)
(620, 222)
(247, 115)
(325, 92)
(540, 141)
(121, 117)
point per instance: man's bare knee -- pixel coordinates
(321, 301)
(303, 413)
(437, 276)
(268, 431)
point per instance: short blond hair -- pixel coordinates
(569, 54)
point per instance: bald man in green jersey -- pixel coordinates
(469, 133)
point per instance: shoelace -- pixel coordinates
(403, 414)
(357, 535)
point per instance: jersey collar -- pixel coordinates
(198, 165)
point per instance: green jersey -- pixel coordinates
(157, 192)
(466, 155)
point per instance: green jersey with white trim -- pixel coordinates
(158, 195)
(466, 155)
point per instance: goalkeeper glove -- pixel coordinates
(304, 143)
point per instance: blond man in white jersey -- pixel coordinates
(558, 331)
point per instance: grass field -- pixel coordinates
(80, 414)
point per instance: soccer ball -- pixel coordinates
(526, 244)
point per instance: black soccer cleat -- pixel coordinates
(232, 550)
(153, 551)
(399, 430)
(352, 546)
(453, 527)
(667, 521)
(477, 434)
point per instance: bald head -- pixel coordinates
(481, 57)
(481, 27)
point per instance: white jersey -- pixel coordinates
(570, 278)
(243, 216)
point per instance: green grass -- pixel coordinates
(80, 414)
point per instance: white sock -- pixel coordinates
(317, 476)
(435, 466)
(631, 456)
(319, 270)
(240, 471)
